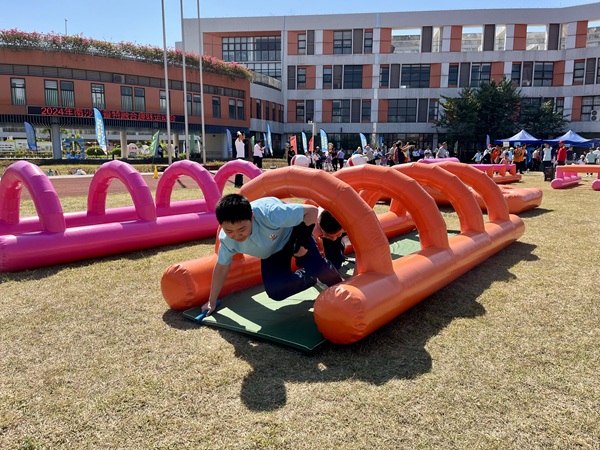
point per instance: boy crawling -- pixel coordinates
(273, 231)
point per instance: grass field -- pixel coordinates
(505, 357)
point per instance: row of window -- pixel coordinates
(587, 71)
(272, 111)
(62, 94)
(109, 77)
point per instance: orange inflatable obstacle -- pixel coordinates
(381, 288)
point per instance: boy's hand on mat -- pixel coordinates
(211, 306)
(300, 252)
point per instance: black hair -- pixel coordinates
(233, 208)
(328, 223)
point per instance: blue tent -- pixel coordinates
(571, 138)
(522, 137)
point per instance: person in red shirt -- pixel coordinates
(561, 155)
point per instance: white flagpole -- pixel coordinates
(185, 103)
(166, 82)
(200, 53)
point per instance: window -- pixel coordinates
(559, 105)
(368, 44)
(415, 76)
(300, 111)
(529, 107)
(433, 109)
(310, 110)
(98, 96)
(188, 104)
(536, 37)
(472, 39)
(261, 54)
(578, 72)
(342, 42)
(453, 75)
(51, 92)
(267, 110)
(327, 77)
(162, 101)
(406, 40)
(590, 71)
(197, 108)
(126, 98)
(353, 77)
(543, 74)
(216, 107)
(258, 109)
(302, 44)
(480, 73)
(140, 99)
(291, 83)
(301, 78)
(67, 94)
(515, 75)
(340, 111)
(17, 91)
(527, 73)
(232, 109)
(365, 111)
(402, 110)
(384, 76)
(241, 113)
(337, 77)
(589, 104)
(593, 33)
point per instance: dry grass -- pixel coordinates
(506, 357)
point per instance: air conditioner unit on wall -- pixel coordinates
(594, 115)
(118, 78)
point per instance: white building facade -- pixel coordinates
(385, 74)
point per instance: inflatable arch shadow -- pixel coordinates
(380, 289)
(54, 237)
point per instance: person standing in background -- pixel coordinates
(259, 151)
(561, 155)
(240, 153)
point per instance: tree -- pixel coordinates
(491, 109)
(543, 122)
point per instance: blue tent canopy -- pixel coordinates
(522, 137)
(571, 138)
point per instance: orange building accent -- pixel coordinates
(385, 40)
(293, 42)
(456, 38)
(581, 34)
(383, 110)
(367, 78)
(558, 78)
(520, 39)
(497, 71)
(328, 42)
(327, 111)
(435, 75)
(576, 109)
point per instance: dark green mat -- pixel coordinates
(289, 322)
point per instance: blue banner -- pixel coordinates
(363, 141)
(323, 139)
(265, 144)
(100, 133)
(304, 144)
(229, 141)
(269, 141)
(31, 139)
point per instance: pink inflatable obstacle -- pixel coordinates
(54, 237)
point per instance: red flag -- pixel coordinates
(293, 144)
(310, 144)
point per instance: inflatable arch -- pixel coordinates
(54, 237)
(234, 167)
(380, 288)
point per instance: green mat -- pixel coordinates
(289, 322)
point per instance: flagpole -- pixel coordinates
(166, 82)
(200, 53)
(185, 110)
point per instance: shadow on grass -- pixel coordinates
(534, 212)
(395, 351)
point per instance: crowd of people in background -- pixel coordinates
(536, 158)
(333, 159)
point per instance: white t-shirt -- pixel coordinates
(258, 150)
(240, 149)
(547, 154)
